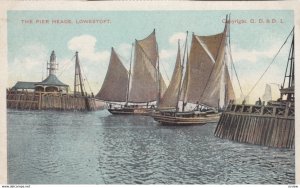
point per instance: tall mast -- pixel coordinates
(158, 76)
(129, 75)
(292, 60)
(187, 61)
(78, 77)
(290, 64)
(289, 90)
(180, 90)
(223, 81)
(229, 55)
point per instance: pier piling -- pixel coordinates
(267, 126)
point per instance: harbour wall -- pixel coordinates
(23, 100)
(272, 126)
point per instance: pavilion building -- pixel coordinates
(50, 84)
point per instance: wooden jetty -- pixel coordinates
(272, 126)
(24, 100)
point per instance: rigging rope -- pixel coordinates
(123, 59)
(165, 72)
(273, 60)
(65, 66)
(181, 50)
(86, 81)
(231, 59)
(209, 77)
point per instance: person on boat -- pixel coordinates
(244, 102)
(197, 107)
(258, 102)
(184, 104)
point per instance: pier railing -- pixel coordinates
(270, 125)
(285, 111)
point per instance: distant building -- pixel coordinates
(50, 84)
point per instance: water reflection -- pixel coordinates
(53, 147)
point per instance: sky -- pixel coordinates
(253, 44)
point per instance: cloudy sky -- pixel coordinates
(253, 44)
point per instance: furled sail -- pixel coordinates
(170, 97)
(144, 86)
(115, 84)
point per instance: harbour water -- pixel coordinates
(48, 147)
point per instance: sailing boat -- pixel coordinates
(206, 83)
(137, 90)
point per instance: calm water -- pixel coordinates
(98, 148)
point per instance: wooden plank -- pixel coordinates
(278, 132)
(273, 133)
(270, 131)
(260, 126)
(243, 137)
(287, 133)
(285, 128)
(237, 128)
(241, 130)
(264, 136)
(222, 125)
(250, 131)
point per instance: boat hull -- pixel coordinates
(185, 119)
(131, 111)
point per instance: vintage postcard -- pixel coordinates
(132, 93)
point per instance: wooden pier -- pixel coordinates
(24, 100)
(272, 126)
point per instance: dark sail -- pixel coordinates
(115, 84)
